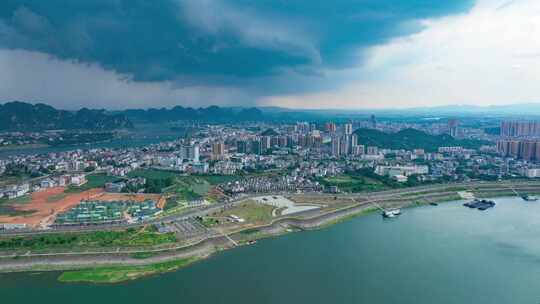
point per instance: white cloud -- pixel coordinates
(38, 77)
(490, 55)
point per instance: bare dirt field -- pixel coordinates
(46, 204)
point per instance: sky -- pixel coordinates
(341, 54)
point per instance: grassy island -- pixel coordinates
(117, 274)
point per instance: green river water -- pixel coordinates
(444, 254)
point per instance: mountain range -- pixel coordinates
(21, 116)
(210, 114)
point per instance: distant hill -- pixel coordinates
(210, 114)
(21, 116)
(269, 132)
(409, 139)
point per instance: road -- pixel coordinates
(202, 211)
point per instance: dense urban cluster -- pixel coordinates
(300, 154)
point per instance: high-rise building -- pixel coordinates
(282, 141)
(290, 141)
(190, 152)
(348, 128)
(345, 145)
(302, 127)
(266, 142)
(242, 146)
(527, 150)
(336, 146)
(354, 140)
(522, 149)
(256, 147)
(359, 150)
(520, 128)
(371, 150)
(373, 122)
(330, 127)
(218, 150)
(453, 125)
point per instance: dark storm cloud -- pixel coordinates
(266, 46)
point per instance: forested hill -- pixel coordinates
(20, 116)
(409, 139)
(28, 117)
(210, 114)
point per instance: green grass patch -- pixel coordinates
(209, 222)
(94, 181)
(8, 206)
(6, 179)
(25, 199)
(249, 231)
(219, 179)
(353, 183)
(153, 174)
(12, 211)
(185, 187)
(126, 238)
(251, 212)
(56, 197)
(117, 274)
(349, 217)
(143, 255)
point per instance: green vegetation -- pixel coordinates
(410, 139)
(158, 185)
(116, 274)
(126, 238)
(25, 199)
(8, 206)
(19, 116)
(56, 197)
(153, 174)
(156, 180)
(94, 181)
(250, 211)
(183, 188)
(348, 217)
(208, 221)
(353, 183)
(15, 174)
(9, 210)
(249, 231)
(143, 255)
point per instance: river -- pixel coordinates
(142, 135)
(443, 254)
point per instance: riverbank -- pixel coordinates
(120, 266)
(117, 274)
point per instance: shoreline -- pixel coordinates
(204, 248)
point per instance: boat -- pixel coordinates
(434, 204)
(480, 204)
(529, 198)
(391, 213)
